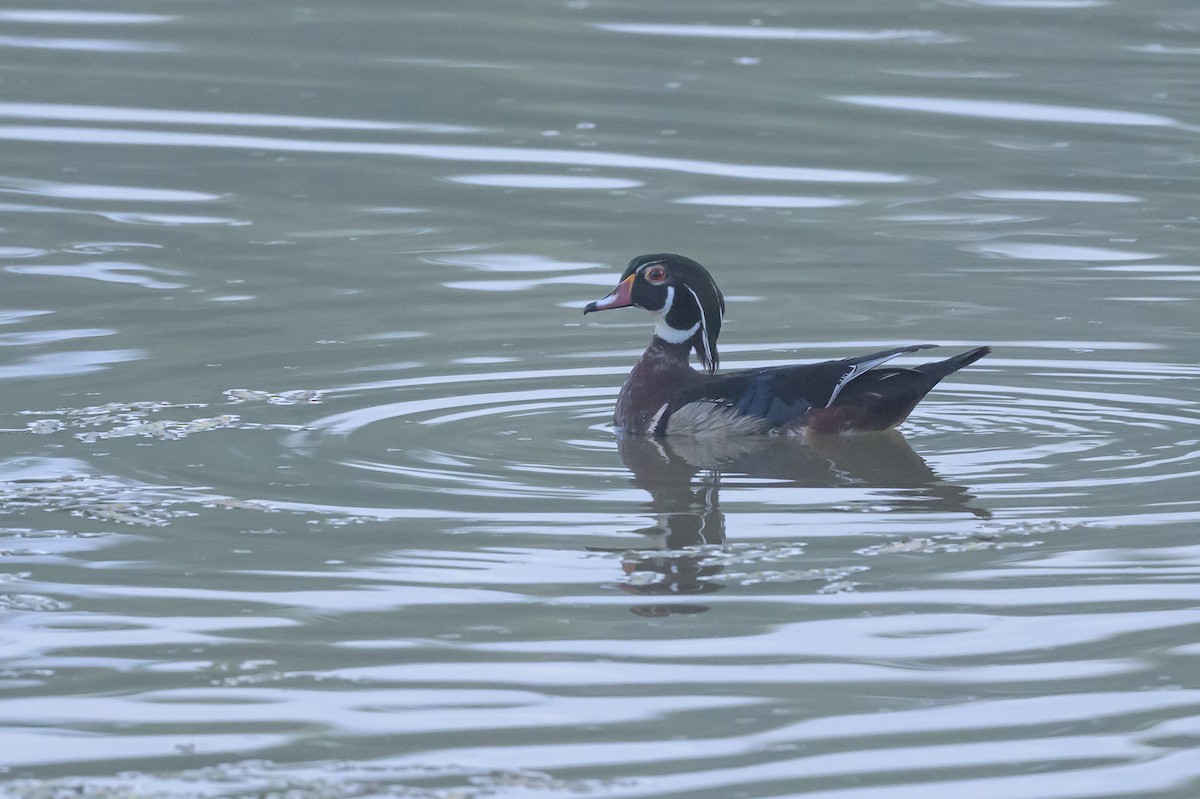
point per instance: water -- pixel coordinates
(306, 478)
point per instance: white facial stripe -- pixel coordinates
(703, 325)
(666, 309)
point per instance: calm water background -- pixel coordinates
(306, 479)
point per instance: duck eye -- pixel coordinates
(656, 275)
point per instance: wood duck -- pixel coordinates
(665, 395)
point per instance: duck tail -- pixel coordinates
(936, 370)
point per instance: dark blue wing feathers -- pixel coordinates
(782, 394)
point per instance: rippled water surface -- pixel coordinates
(307, 481)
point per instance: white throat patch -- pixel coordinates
(664, 330)
(670, 334)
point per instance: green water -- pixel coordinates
(307, 484)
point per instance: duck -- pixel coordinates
(664, 395)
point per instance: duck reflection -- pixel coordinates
(683, 477)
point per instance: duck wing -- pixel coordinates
(757, 400)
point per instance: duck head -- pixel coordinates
(680, 293)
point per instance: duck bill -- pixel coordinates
(617, 298)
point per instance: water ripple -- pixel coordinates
(1002, 442)
(1038, 251)
(1028, 650)
(768, 33)
(150, 277)
(546, 181)
(87, 45)
(1013, 111)
(128, 217)
(61, 364)
(86, 191)
(78, 17)
(446, 152)
(94, 113)
(1055, 196)
(764, 201)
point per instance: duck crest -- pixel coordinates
(704, 342)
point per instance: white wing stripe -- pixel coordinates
(856, 371)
